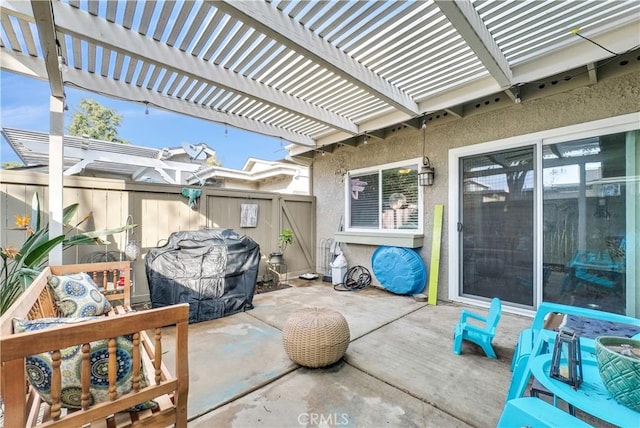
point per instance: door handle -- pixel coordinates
(460, 227)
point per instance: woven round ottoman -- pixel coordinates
(315, 337)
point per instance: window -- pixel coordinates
(589, 214)
(385, 198)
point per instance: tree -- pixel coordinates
(96, 121)
(11, 165)
(213, 160)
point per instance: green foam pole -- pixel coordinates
(435, 254)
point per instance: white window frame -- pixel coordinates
(417, 162)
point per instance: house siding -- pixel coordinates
(610, 97)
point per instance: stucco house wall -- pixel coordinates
(608, 98)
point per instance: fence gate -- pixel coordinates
(299, 215)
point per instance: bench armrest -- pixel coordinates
(15, 347)
(468, 314)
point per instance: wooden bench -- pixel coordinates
(24, 407)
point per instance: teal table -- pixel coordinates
(591, 397)
(594, 268)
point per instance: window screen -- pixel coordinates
(364, 200)
(385, 198)
(400, 198)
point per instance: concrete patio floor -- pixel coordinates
(399, 369)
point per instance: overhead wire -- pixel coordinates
(596, 66)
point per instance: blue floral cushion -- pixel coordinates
(39, 367)
(76, 295)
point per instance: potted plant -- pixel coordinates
(284, 239)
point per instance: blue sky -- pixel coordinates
(25, 105)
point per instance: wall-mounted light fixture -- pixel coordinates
(427, 172)
(62, 62)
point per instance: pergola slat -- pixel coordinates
(27, 36)
(194, 26)
(104, 62)
(230, 26)
(91, 58)
(231, 46)
(112, 9)
(129, 11)
(180, 21)
(147, 14)
(243, 49)
(117, 70)
(163, 19)
(265, 19)
(206, 34)
(10, 32)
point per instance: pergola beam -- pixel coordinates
(465, 19)
(87, 157)
(593, 73)
(21, 64)
(121, 90)
(34, 67)
(43, 15)
(268, 20)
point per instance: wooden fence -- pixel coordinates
(160, 210)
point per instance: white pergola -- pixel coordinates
(314, 73)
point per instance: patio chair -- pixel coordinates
(533, 412)
(481, 335)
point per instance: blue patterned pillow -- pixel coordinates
(39, 367)
(76, 295)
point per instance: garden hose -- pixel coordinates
(356, 278)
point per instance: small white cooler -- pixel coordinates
(338, 269)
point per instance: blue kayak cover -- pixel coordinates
(399, 270)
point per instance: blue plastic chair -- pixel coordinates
(480, 335)
(536, 413)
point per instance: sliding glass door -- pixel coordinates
(555, 221)
(589, 209)
(497, 226)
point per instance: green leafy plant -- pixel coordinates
(21, 266)
(284, 239)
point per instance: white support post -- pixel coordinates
(632, 155)
(582, 209)
(56, 164)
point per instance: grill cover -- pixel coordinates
(214, 270)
